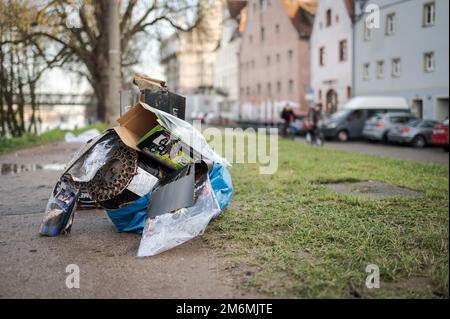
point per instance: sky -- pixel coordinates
(61, 81)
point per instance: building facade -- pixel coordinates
(404, 51)
(331, 53)
(226, 66)
(189, 57)
(274, 59)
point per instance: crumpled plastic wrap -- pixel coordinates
(188, 134)
(87, 167)
(173, 229)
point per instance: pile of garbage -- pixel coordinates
(155, 175)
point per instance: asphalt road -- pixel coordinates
(429, 154)
(35, 267)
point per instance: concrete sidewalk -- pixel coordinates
(35, 267)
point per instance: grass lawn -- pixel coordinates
(28, 140)
(288, 235)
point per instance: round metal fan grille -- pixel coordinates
(113, 178)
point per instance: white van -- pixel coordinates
(348, 123)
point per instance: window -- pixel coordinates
(429, 62)
(248, 91)
(337, 18)
(396, 67)
(290, 54)
(278, 57)
(356, 115)
(269, 88)
(258, 88)
(349, 92)
(328, 18)
(429, 14)
(343, 51)
(268, 60)
(322, 56)
(390, 24)
(263, 4)
(250, 39)
(380, 69)
(291, 86)
(279, 87)
(277, 28)
(263, 35)
(367, 33)
(366, 71)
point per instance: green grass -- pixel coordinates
(300, 239)
(28, 140)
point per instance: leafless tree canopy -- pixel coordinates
(74, 33)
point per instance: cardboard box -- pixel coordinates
(134, 124)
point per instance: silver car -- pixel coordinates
(377, 127)
(417, 133)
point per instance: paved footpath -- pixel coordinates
(34, 267)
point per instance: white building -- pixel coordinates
(226, 66)
(331, 53)
(405, 53)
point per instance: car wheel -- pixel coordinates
(343, 136)
(419, 142)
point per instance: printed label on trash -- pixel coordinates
(142, 183)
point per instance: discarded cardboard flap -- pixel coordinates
(148, 83)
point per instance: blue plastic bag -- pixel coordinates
(131, 218)
(222, 185)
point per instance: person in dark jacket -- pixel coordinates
(288, 116)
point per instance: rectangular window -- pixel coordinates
(380, 69)
(278, 57)
(269, 89)
(290, 55)
(263, 4)
(277, 28)
(322, 56)
(429, 14)
(268, 59)
(343, 51)
(279, 87)
(390, 24)
(263, 34)
(291, 86)
(396, 67)
(258, 88)
(429, 62)
(367, 33)
(366, 71)
(328, 18)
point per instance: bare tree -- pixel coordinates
(23, 62)
(84, 38)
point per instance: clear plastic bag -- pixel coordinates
(90, 163)
(173, 229)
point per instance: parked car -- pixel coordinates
(417, 133)
(377, 127)
(349, 122)
(440, 135)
